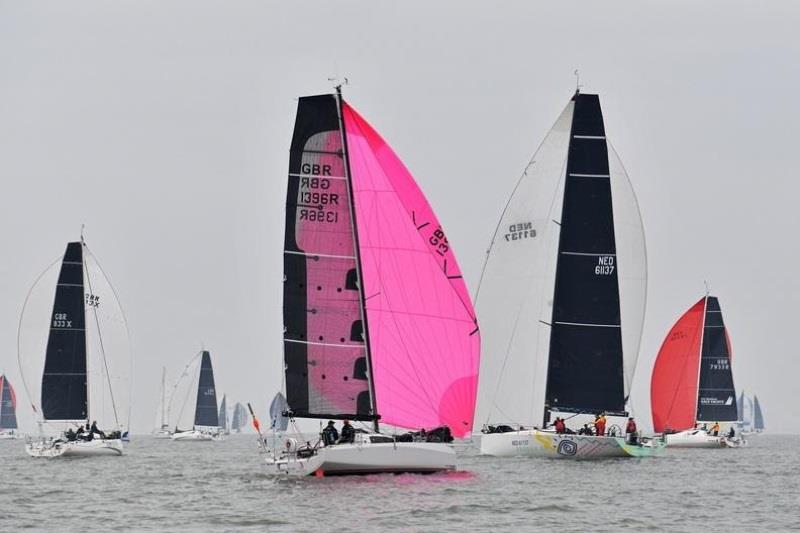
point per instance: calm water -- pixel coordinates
(165, 486)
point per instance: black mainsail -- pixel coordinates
(205, 413)
(64, 382)
(585, 371)
(325, 344)
(716, 397)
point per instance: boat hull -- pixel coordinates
(61, 448)
(536, 443)
(8, 436)
(367, 458)
(194, 436)
(701, 439)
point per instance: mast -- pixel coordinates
(163, 395)
(362, 303)
(700, 359)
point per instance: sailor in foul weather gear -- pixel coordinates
(560, 426)
(585, 430)
(630, 431)
(348, 433)
(600, 425)
(731, 433)
(330, 435)
(715, 429)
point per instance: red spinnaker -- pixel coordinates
(673, 388)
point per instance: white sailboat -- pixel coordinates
(81, 374)
(378, 323)
(562, 297)
(163, 429)
(202, 412)
(691, 389)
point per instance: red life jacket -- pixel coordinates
(631, 427)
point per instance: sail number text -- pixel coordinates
(315, 196)
(439, 241)
(523, 230)
(605, 265)
(60, 321)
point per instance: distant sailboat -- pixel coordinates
(84, 373)
(239, 419)
(206, 417)
(562, 296)
(378, 323)
(163, 430)
(224, 421)
(692, 380)
(750, 417)
(277, 413)
(8, 409)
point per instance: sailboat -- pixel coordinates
(692, 382)
(378, 323)
(224, 421)
(163, 430)
(8, 409)
(239, 419)
(561, 299)
(750, 417)
(758, 416)
(83, 376)
(279, 422)
(206, 418)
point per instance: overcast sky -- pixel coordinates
(165, 128)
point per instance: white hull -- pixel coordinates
(366, 458)
(8, 436)
(195, 436)
(536, 443)
(62, 448)
(694, 438)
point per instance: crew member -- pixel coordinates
(330, 435)
(560, 426)
(600, 425)
(715, 429)
(630, 431)
(348, 433)
(731, 433)
(94, 429)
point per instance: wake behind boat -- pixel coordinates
(205, 414)
(378, 323)
(83, 376)
(692, 382)
(562, 298)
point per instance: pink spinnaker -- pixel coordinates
(423, 334)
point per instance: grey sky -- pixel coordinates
(165, 128)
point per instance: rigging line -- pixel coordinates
(184, 373)
(19, 332)
(100, 339)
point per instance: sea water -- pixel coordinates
(160, 485)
